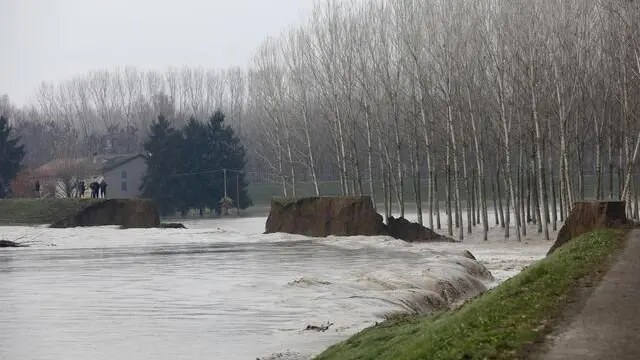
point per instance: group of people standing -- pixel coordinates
(98, 189)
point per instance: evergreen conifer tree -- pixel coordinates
(186, 167)
(197, 160)
(11, 154)
(228, 153)
(163, 161)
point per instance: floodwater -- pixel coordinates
(220, 289)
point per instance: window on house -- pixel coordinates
(123, 174)
(123, 186)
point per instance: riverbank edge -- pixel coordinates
(32, 211)
(509, 321)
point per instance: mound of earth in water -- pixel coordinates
(324, 216)
(8, 243)
(404, 229)
(340, 216)
(127, 213)
(172, 226)
(588, 216)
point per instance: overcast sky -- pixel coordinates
(53, 40)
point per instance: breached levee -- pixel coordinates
(441, 284)
(341, 216)
(126, 213)
(444, 285)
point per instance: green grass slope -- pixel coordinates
(501, 323)
(39, 211)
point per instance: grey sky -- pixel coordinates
(53, 40)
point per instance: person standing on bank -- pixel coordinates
(103, 189)
(37, 188)
(94, 189)
(81, 189)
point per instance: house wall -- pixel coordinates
(124, 181)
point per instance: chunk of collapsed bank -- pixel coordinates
(322, 328)
(172, 226)
(8, 243)
(323, 216)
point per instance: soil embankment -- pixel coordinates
(126, 213)
(588, 216)
(39, 211)
(340, 216)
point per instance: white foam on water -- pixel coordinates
(223, 290)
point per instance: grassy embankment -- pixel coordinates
(501, 324)
(39, 211)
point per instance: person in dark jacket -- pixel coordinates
(38, 188)
(81, 189)
(103, 189)
(94, 189)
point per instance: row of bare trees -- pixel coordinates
(528, 105)
(538, 97)
(111, 110)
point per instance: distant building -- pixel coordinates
(123, 174)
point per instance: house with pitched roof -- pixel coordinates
(123, 174)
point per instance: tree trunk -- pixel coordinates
(520, 188)
(538, 144)
(343, 154)
(472, 185)
(291, 164)
(495, 202)
(281, 166)
(437, 200)
(560, 202)
(627, 182)
(503, 222)
(610, 148)
(400, 187)
(431, 200)
(485, 210)
(417, 177)
(370, 160)
(511, 199)
(425, 133)
(530, 173)
(554, 209)
(357, 180)
(385, 184)
(448, 190)
(311, 158)
(580, 146)
(636, 214)
(537, 211)
(466, 179)
(468, 182)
